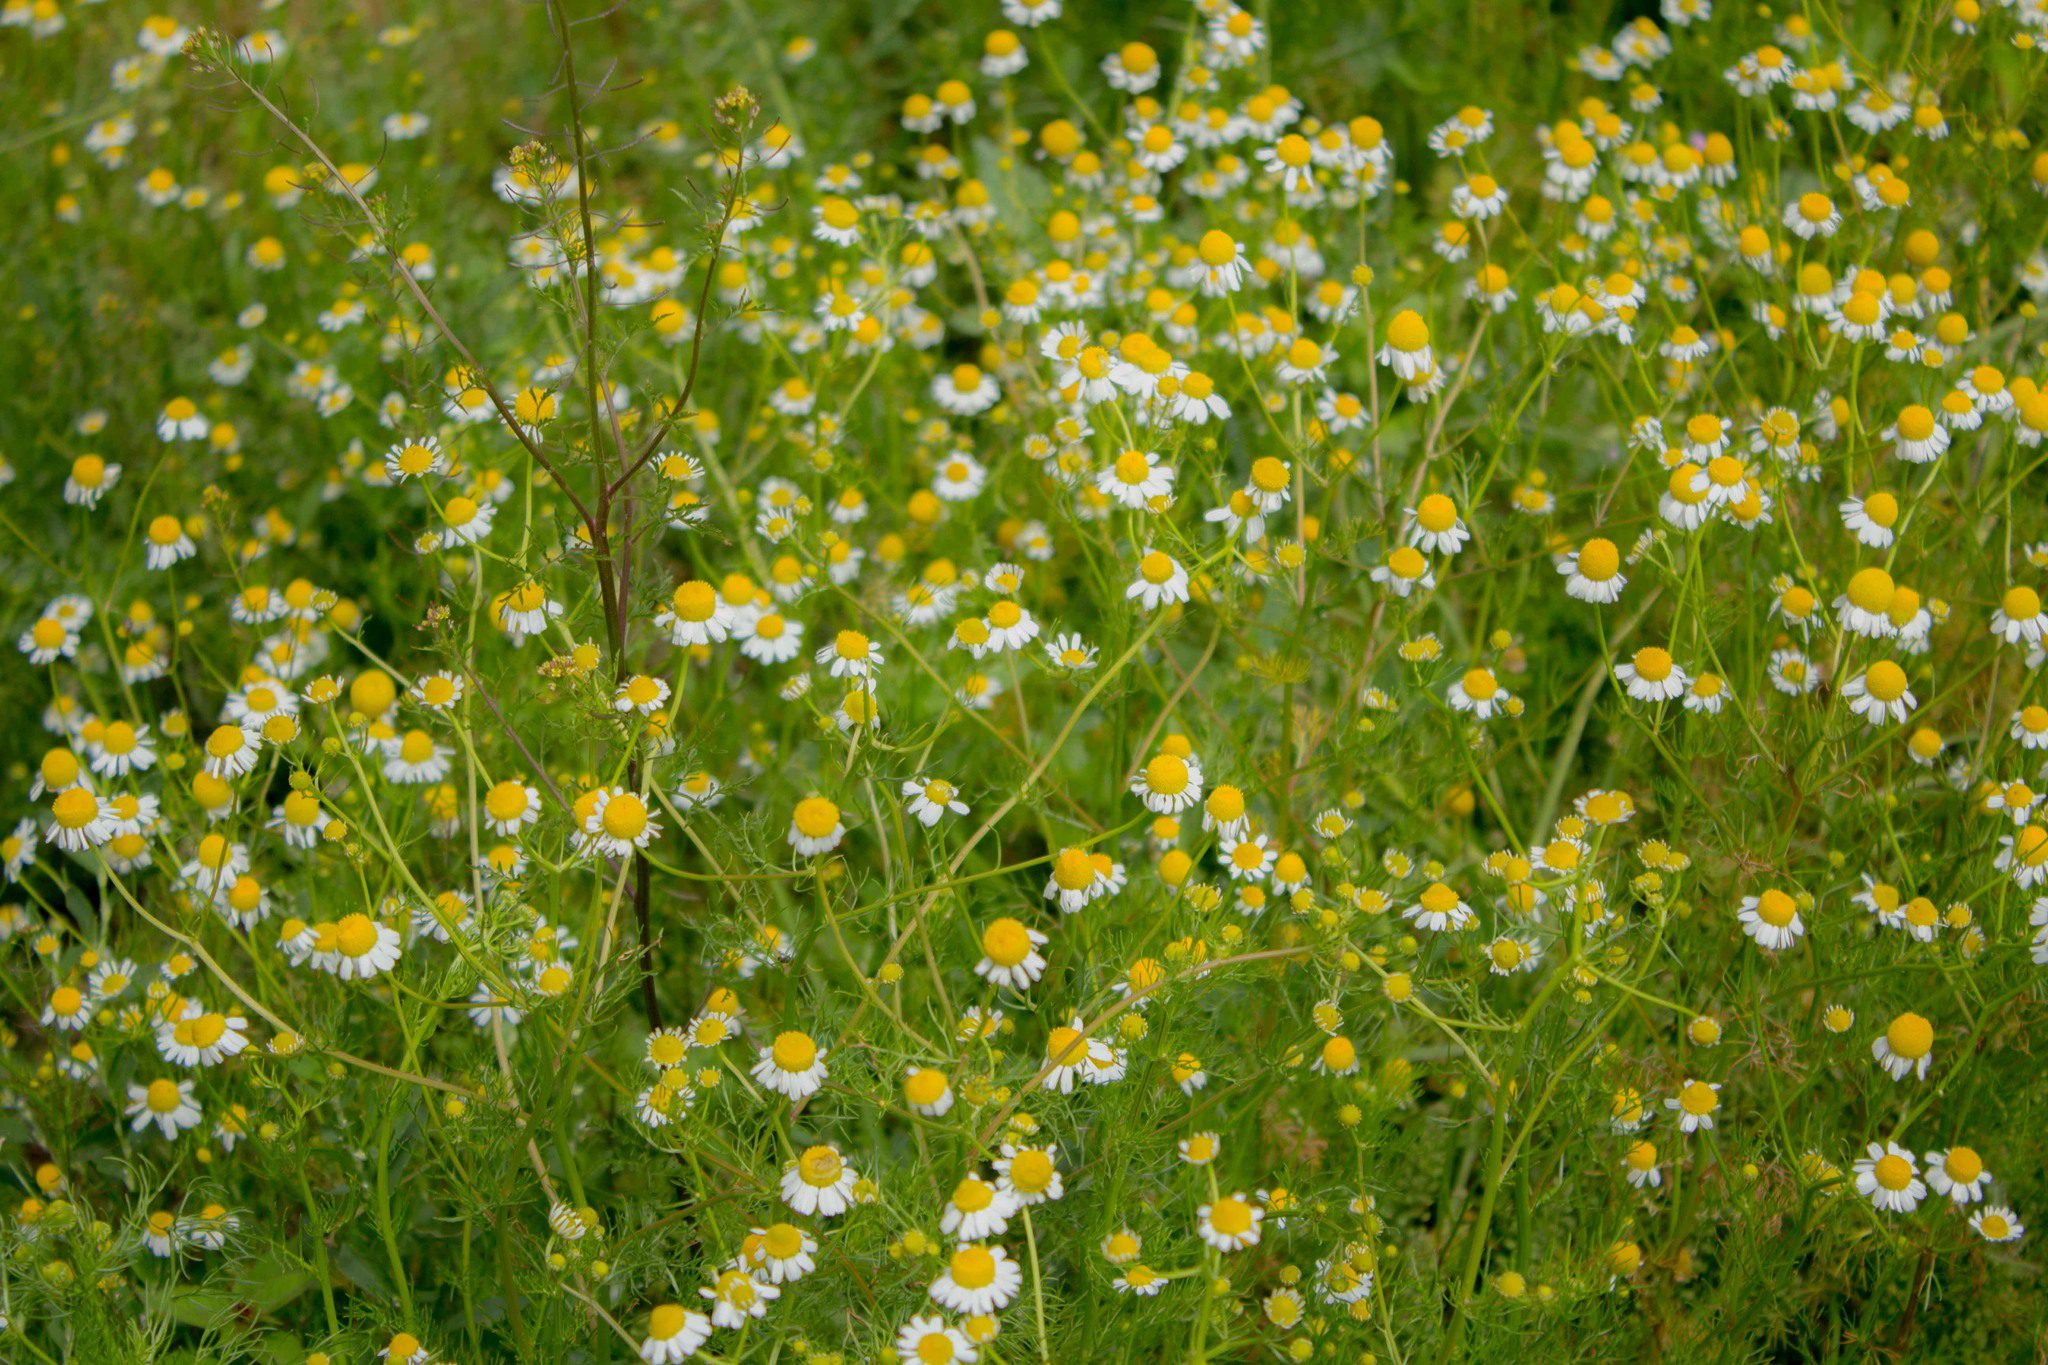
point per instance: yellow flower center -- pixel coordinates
(1871, 590)
(1006, 942)
(1216, 248)
(1230, 1216)
(795, 1052)
(924, 1086)
(1073, 870)
(201, 1032)
(1407, 332)
(1916, 423)
(1910, 1036)
(694, 601)
(625, 816)
(1885, 680)
(816, 817)
(506, 801)
(1599, 560)
(1436, 513)
(355, 936)
(972, 1268)
(1031, 1170)
(75, 808)
(820, 1166)
(1775, 908)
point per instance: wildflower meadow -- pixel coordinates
(1023, 681)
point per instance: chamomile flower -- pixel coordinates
(977, 1210)
(1880, 693)
(1873, 518)
(1440, 909)
(1075, 880)
(977, 1279)
(1906, 1047)
(509, 807)
(737, 1297)
(1070, 652)
(201, 1038)
(1478, 691)
(1651, 675)
(357, 947)
(1069, 1055)
(965, 390)
(166, 1103)
(793, 1066)
(927, 1091)
(1029, 1173)
(1136, 480)
(2019, 618)
(166, 543)
(414, 758)
(1593, 573)
(927, 1340)
(1864, 607)
(619, 822)
(91, 478)
(1916, 437)
(1405, 572)
(1694, 1104)
(1008, 625)
(417, 457)
(1771, 917)
(1434, 526)
(1812, 215)
(674, 1334)
(819, 1183)
(68, 1009)
(1009, 954)
(1889, 1178)
(1958, 1173)
(1230, 1222)
(695, 614)
(1997, 1223)
(181, 420)
(815, 827)
(640, 695)
(79, 819)
(770, 637)
(931, 800)
(1169, 783)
